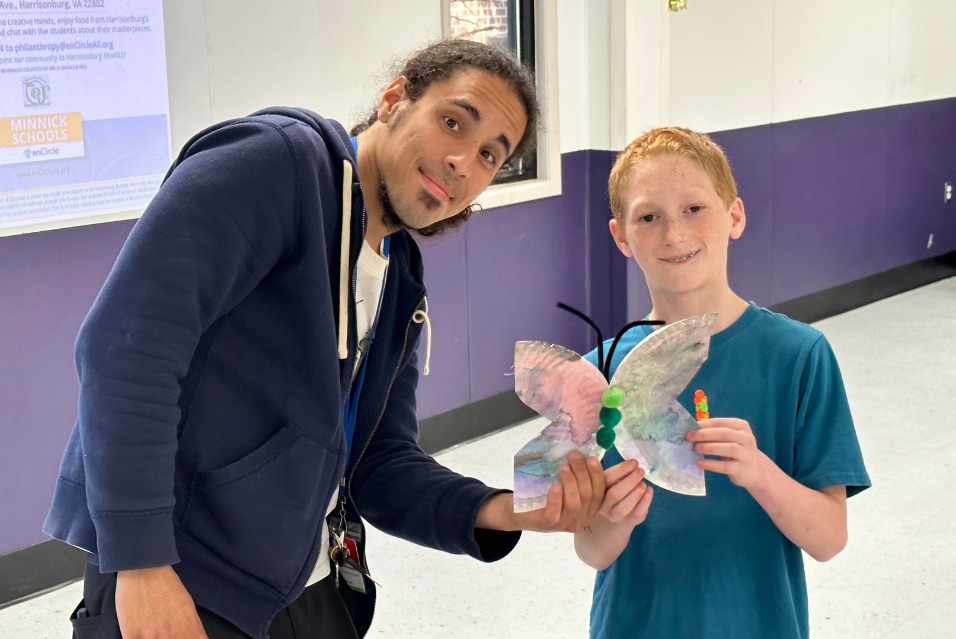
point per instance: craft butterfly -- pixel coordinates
(636, 411)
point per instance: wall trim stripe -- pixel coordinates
(873, 288)
(33, 570)
(471, 421)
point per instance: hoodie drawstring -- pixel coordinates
(344, 259)
(422, 316)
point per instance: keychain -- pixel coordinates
(337, 554)
(344, 551)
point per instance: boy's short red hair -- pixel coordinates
(697, 147)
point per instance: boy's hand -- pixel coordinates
(732, 440)
(628, 498)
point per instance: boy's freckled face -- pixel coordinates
(677, 227)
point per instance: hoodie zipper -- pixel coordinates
(324, 529)
(381, 414)
(368, 441)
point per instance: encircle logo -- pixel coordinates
(36, 91)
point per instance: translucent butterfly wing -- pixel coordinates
(653, 425)
(565, 388)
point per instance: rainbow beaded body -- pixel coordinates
(700, 403)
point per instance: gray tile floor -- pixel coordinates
(896, 579)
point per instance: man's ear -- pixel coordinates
(620, 239)
(388, 102)
(738, 219)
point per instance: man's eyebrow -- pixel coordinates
(467, 106)
(476, 115)
(505, 143)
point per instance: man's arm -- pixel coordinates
(406, 493)
(814, 520)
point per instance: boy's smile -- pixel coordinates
(677, 227)
(681, 259)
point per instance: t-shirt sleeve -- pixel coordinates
(826, 451)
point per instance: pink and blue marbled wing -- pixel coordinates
(653, 424)
(565, 388)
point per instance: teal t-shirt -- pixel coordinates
(717, 566)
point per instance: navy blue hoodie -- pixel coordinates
(213, 372)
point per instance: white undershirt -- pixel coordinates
(369, 280)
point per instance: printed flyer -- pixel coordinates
(84, 108)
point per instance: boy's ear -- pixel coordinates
(620, 239)
(393, 94)
(738, 219)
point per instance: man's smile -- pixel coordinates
(436, 187)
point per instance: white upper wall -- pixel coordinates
(739, 63)
(830, 57)
(574, 75)
(723, 64)
(228, 58)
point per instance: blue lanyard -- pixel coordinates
(352, 402)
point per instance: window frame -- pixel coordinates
(548, 182)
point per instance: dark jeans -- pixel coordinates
(318, 613)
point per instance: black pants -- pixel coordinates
(318, 613)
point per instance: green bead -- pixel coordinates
(610, 417)
(702, 406)
(612, 397)
(605, 438)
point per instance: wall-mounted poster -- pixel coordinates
(84, 109)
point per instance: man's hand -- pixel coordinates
(732, 440)
(628, 498)
(571, 506)
(152, 603)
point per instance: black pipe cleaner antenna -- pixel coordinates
(604, 365)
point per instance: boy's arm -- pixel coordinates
(814, 520)
(625, 506)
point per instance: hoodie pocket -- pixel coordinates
(261, 513)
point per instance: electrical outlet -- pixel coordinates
(947, 192)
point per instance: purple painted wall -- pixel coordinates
(828, 200)
(47, 283)
(832, 199)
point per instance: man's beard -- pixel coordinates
(390, 218)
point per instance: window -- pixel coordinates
(509, 25)
(529, 28)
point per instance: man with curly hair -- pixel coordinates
(249, 368)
